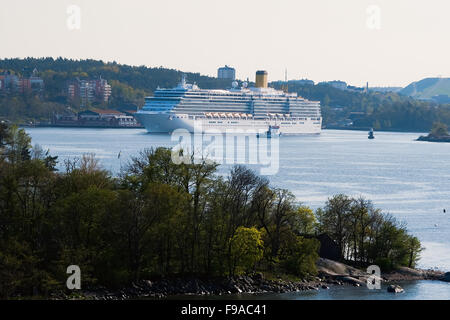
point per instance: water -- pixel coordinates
(414, 290)
(406, 178)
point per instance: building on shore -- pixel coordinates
(226, 73)
(341, 85)
(88, 91)
(95, 118)
(329, 249)
(301, 82)
(12, 83)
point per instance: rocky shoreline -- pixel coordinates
(164, 288)
(330, 273)
(431, 138)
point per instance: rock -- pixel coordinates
(258, 277)
(330, 268)
(395, 289)
(148, 283)
(325, 287)
(353, 281)
(446, 277)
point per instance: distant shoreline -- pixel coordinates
(77, 126)
(367, 129)
(115, 127)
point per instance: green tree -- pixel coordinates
(306, 222)
(439, 129)
(301, 255)
(414, 248)
(246, 250)
(333, 220)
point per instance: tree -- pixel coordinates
(415, 248)
(18, 145)
(4, 135)
(162, 219)
(306, 222)
(366, 235)
(246, 250)
(439, 129)
(333, 220)
(301, 255)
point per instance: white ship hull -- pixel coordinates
(168, 123)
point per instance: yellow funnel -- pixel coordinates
(261, 79)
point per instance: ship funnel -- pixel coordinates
(261, 79)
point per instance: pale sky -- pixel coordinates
(385, 42)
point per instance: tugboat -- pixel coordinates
(273, 131)
(371, 136)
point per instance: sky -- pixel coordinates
(383, 42)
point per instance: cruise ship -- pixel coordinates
(256, 108)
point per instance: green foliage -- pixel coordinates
(382, 111)
(364, 235)
(301, 256)
(306, 220)
(246, 249)
(439, 130)
(161, 219)
(129, 85)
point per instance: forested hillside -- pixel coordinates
(382, 111)
(130, 84)
(428, 88)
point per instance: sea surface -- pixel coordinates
(413, 290)
(407, 178)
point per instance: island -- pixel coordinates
(162, 229)
(438, 133)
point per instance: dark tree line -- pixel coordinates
(382, 111)
(161, 219)
(130, 84)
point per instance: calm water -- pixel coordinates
(415, 290)
(406, 178)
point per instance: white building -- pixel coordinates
(226, 73)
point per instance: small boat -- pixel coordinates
(371, 136)
(273, 131)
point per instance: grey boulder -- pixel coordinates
(395, 289)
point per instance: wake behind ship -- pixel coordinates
(256, 108)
